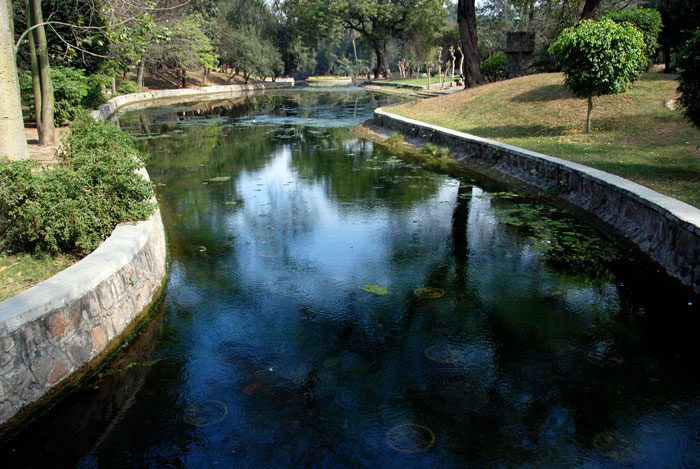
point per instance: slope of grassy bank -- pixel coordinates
(635, 135)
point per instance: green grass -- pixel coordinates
(418, 81)
(635, 135)
(328, 77)
(21, 271)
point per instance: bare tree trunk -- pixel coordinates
(466, 19)
(45, 115)
(139, 74)
(354, 46)
(590, 9)
(114, 84)
(588, 117)
(13, 143)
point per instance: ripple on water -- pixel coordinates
(205, 413)
(410, 438)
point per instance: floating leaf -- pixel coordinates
(206, 413)
(376, 289)
(429, 293)
(219, 179)
(410, 438)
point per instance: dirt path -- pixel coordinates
(46, 155)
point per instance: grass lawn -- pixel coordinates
(420, 81)
(21, 271)
(635, 134)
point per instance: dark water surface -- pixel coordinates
(294, 331)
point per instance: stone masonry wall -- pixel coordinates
(666, 229)
(56, 327)
(52, 329)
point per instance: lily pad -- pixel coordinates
(410, 438)
(429, 293)
(206, 413)
(376, 289)
(219, 179)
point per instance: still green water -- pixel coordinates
(332, 305)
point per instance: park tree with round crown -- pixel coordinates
(600, 58)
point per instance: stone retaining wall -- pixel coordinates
(161, 97)
(63, 324)
(59, 325)
(666, 229)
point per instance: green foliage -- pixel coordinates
(394, 139)
(600, 57)
(128, 87)
(73, 207)
(244, 50)
(376, 289)
(689, 78)
(494, 68)
(184, 45)
(648, 21)
(94, 96)
(70, 87)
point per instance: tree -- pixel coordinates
(13, 143)
(376, 21)
(41, 74)
(466, 19)
(590, 8)
(647, 21)
(600, 58)
(689, 78)
(186, 47)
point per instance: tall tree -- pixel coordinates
(13, 143)
(590, 8)
(466, 19)
(41, 74)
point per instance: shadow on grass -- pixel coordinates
(502, 131)
(543, 93)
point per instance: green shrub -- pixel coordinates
(600, 58)
(494, 68)
(128, 87)
(95, 96)
(688, 61)
(73, 207)
(648, 21)
(70, 86)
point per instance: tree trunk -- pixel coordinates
(45, 115)
(590, 9)
(354, 46)
(184, 78)
(667, 57)
(114, 84)
(588, 117)
(466, 19)
(382, 69)
(139, 73)
(34, 67)
(13, 143)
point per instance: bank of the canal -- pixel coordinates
(331, 303)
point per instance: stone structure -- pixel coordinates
(163, 97)
(666, 229)
(61, 324)
(519, 49)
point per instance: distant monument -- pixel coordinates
(519, 49)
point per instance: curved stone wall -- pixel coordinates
(666, 229)
(55, 328)
(161, 97)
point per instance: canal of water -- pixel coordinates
(333, 305)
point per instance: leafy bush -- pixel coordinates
(94, 96)
(70, 86)
(688, 61)
(648, 21)
(73, 207)
(600, 58)
(494, 68)
(128, 87)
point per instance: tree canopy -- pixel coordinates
(600, 58)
